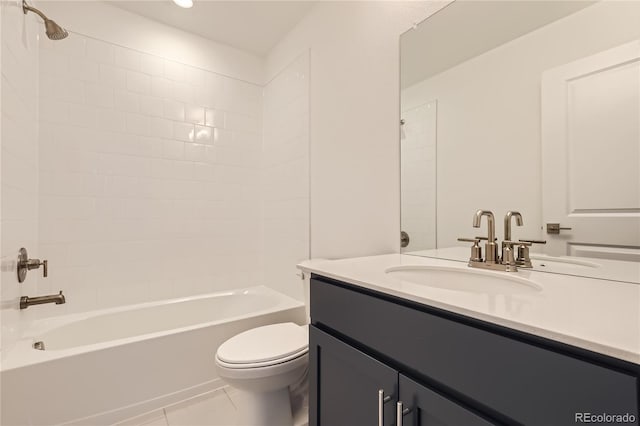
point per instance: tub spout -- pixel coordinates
(26, 301)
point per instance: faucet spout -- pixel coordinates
(507, 223)
(490, 223)
(491, 248)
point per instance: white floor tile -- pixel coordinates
(154, 418)
(212, 409)
(216, 408)
(237, 397)
(160, 421)
(300, 416)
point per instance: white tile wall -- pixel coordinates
(140, 178)
(284, 175)
(19, 159)
(146, 192)
(418, 176)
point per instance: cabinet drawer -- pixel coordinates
(524, 382)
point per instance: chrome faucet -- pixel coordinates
(508, 261)
(26, 301)
(25, 265)
(523, 260)
(490, 247)
(507, 223)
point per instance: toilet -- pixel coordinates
(263, 363)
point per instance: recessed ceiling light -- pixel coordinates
(184, 3)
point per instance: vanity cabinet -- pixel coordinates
(347, 381)
(448, 369)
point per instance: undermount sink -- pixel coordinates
(544, 260)
(465, 280)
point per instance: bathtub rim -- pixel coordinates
(22, 353)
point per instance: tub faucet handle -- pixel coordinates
(45, 267)
(37, 263)
(25, 265)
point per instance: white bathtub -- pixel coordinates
(105, 366)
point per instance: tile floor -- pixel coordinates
(215, 408)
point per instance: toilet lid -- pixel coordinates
(263, 344)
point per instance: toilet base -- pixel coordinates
(265, 409)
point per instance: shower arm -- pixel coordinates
(26, 8)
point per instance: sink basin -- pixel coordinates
(544, 260)
(463, 280)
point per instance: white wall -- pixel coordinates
(489, 118)
(105, 22)
(19, 165)
(285, 177)
(354, 116)
(148, 176)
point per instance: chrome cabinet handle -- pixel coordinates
(400, 413)
(381, 400)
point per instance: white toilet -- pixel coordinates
(263, 362)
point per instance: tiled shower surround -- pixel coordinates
(19, 164)
(150, 177)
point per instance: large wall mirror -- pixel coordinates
(528, 106)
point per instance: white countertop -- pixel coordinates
(598, 315)
(606, 269)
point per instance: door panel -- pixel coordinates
(591, 153)
(344, 384)
(428, 408)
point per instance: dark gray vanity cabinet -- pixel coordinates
(447, 369)
(425, 407)
(348, 384)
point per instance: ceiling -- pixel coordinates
(254, 26)
(466, 29)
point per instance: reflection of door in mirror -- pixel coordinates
(591, 154)
(489, 64)
(418, 178)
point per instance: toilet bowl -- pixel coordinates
(263, 362)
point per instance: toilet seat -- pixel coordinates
(239, 366)
(264, 346)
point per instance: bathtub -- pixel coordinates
(105, 366)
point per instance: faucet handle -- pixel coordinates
(523, 259)
(36, 263)
(25, 265)
(476, 250)
(486, 239)
(470, 240)
(534, 241)
(517, 243)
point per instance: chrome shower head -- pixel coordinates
(53, 30)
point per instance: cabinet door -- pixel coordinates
(426, 407)
(344, 384)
